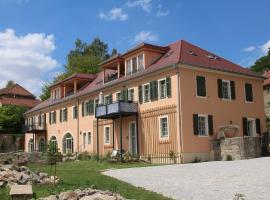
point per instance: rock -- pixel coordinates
(68, 196)
(98, 196)
(240, 197)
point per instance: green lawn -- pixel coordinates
(83, 174)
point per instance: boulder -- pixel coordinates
(69, 195)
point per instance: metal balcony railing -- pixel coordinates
(116, 108)
(36, 127)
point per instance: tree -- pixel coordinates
(11, 118)
(262, 64)
(10, 83)
(84, 58)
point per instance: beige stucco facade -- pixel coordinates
(179, 109)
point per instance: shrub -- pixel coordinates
(84, 156)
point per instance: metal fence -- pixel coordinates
(162, 158)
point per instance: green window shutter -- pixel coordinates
(66, 111)
(87, 108)
(201, 89)
(258, 126)
(219, 83)
(110, 99)
(168, 85)
(124, 95)
(91, 107)
(195, 124)
(245, 128)
(155, 89)
(152, 91)
(232, 89)
(60, 117)
(140, 94)
(210, 125)
(83, 109)
(50, 118)
(249, 93)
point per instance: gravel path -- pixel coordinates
(203, 181)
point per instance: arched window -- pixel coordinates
(53, 142)
(31, 145)
(68, 144)
(42, 145)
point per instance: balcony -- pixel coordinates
(116, 109)
(34, 128)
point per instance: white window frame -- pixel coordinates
(135, 58)
(143, 63)
(126, 66)
(133, 93)
(149, 99)
(206, 125)
(104, 131)
(159, 89)
(106, 96)
(119, 92)
(254, 126)
(160, 129)
(229, 90)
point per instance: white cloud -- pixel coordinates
(113, 14)
(144, 4)
(145, 36)
(25, 59)
(265, 47)
(161, 12)
(249, 49)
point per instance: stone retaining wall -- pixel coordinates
(20, 158)
(236, 148)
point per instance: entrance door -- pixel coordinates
(132, 138)
(251, 127)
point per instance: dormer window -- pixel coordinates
(135, 64)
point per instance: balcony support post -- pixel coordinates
(97, 139)
(121, 142)
(113, 134)
(137, 133)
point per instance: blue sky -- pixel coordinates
(36, 35)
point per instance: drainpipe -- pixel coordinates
(78, 127)
(179, 111)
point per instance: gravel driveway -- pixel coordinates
(219, 180)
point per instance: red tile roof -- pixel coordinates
(29, 103)
(178, 52)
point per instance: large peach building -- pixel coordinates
(151, 100)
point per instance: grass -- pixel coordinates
(83, 174)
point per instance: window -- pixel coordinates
(146, 93)
(251, 131)
(202, 125)
(118, 96)
(52, 117)
(106, 134)
(163, 127)
(134, 65)
(64, 113)
(128, 67)
(140, 63)
(31, 145)
(68, 144)
(108, 99)
(248, 92)
(53, 142)
(89, 138)
(84, 139)
(75, 112)
(200, 83)
(226, 92)
(131, 94)
(162, 88)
